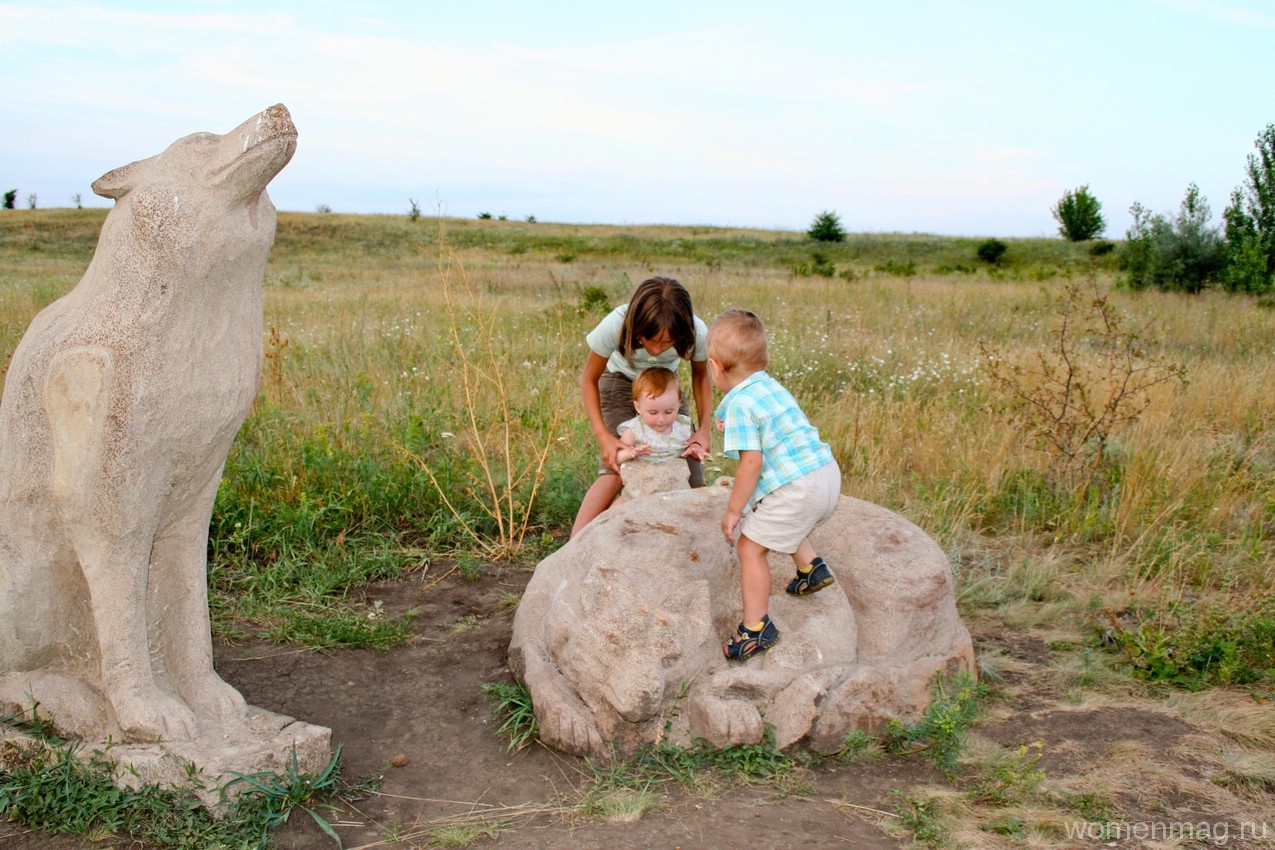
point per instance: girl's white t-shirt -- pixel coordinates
(604, 341)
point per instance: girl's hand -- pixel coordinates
(696, 448)
(611, 446)
(699, 446)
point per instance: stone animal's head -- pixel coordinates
(641, 478)
(234, 169)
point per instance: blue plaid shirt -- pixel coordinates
(760, 415)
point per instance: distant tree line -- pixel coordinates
(1186, 253)
(1182, 252)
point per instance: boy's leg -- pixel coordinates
(598, 498)
(755, 580)
(804, 555)
(756, 632)
(813, 575)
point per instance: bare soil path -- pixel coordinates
(424, 701)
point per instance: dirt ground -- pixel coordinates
(425, 702)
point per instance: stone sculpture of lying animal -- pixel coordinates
(119, 408)
(618, 636)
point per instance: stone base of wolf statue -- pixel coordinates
(619, 634)
(262, 742)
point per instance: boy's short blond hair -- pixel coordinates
(654, 382)
(737, 339)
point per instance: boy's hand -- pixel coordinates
(719, 423)
(730, 520)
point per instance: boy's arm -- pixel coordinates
(747, 474)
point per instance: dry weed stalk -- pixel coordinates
(510, 460)
(1094, 378)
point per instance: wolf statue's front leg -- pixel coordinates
(106, 520)
(179, 621)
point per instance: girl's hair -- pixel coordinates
(738, 339)
(659, 304)
(654, 382)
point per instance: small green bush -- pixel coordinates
(827, 228)
(594, 299)
(990, 251)
(819, 265)
(942, 730)
(898, 268)
(1183, 254)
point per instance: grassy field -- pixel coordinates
(1096, 463)
(418, 400)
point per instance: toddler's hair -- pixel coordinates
(654, 382)
(659, 304)
(738, 339)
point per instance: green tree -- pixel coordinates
(1250, 223)
(827, 228)
(10, 198)
(1183, 254)
(1079, 215)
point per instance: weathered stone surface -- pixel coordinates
(119, 408)
(642, 478)
(618, 635)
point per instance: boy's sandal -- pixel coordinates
(812, 582)
(746, 643)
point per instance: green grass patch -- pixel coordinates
(511, 705)
(941, 732)
(55, 787)
(1195, 646)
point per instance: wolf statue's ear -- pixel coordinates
(116, 183)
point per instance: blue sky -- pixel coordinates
(960, 118)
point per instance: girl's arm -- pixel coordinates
(702, 390)
(594, 366)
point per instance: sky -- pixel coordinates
(968, 118)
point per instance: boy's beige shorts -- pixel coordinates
(786, 516)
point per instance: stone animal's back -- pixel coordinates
(120, 405)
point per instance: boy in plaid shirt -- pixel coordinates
(787, 481)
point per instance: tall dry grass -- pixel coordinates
(390, 353)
